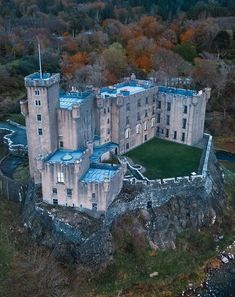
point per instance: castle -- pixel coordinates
(72, 135)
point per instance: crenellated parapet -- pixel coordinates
(47, 80)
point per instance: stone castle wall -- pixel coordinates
(155, 193)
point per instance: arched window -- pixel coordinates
(127, 133)
(145, 125)
(138, 129)
(153, 122)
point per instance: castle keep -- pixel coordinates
(70, 135)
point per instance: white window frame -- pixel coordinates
(153, 122)
(145, 126)
(60, 177)
(127, 133)
(138, 128)
(37, 102)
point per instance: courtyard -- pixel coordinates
(165, 159)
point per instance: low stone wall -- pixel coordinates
(156, 193)
(14, 148)
(202, 172)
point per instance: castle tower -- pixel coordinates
(40, 111)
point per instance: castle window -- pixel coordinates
(127, 146)
(128, 106)
(40, 131)
(36, 92)
(183, 137)
(158, 118)
(55, 201)
(138, 127)
(39, 117)
(104, 110)
(54, 191)
(158, 129)
(185, 109)
(184, 123)
(145, 126)
(139, 103)
(94, 206)
(146, 113)
(37, 102)
(93, 196)
(127, 121)
(159, 104)
(153, 122)
(147, 100)
(107, 121)
(145, 137)
(69, 192)
(138, 116)
(167, 133)
(127, 133)
(61, 144)
(168, 106)
(108, 109)
(153, 111)
(154, 98)
(60, 177)
(149, 204)
(168, 120)
(175, 134)
(108, 131)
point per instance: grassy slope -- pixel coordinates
(30, 270)
(26, 269)
(134, 261)
(163, 159)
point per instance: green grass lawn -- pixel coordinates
(164, 159)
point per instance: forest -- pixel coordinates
(179, 43)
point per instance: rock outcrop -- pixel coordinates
(78, 238)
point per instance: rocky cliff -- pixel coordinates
(78, 238)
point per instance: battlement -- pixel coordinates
(179, 92)
(126, 88)
(47, 80)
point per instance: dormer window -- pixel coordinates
(37, 93)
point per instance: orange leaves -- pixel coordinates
(187, 36)
(70, 44)
(140, 51)
(70, 64)
(143, 62)
(150, 26)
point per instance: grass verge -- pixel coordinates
(164, 159)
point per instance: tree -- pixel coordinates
(140, 51)
(150, 27)
(115, 60)
(169, 65)
(70, 64)
(87, 75)
(187, 51)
